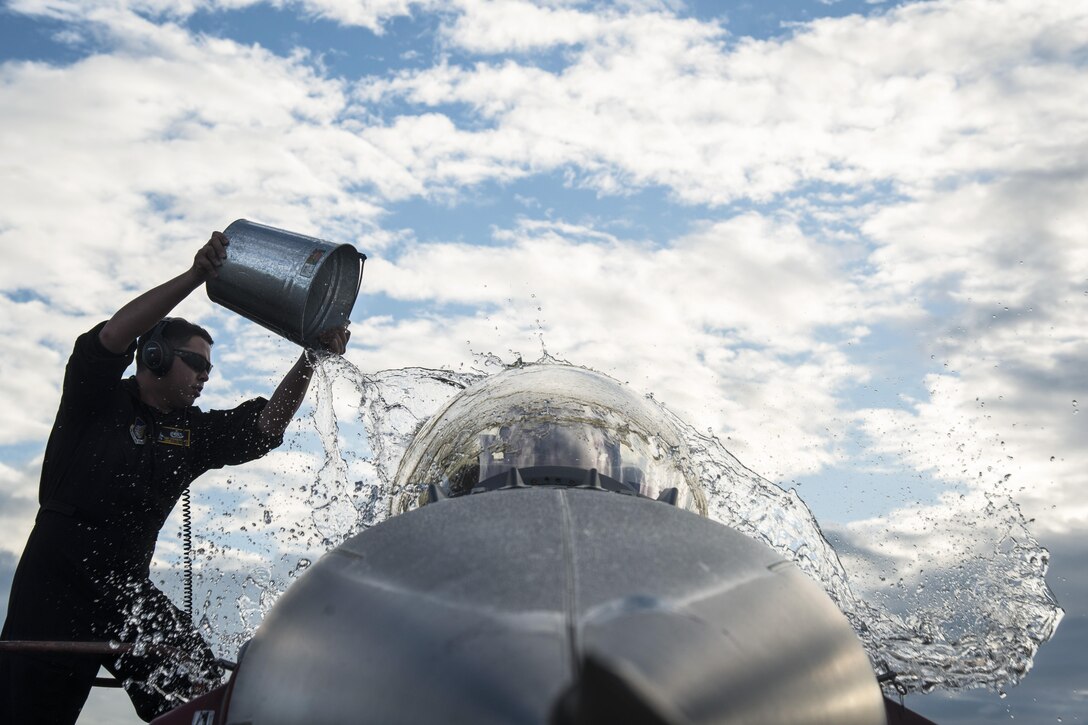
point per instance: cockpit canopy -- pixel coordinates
(546, 416)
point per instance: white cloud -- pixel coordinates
(203, 130)
(708, 322)
(760, 276)
(1015, 242)
(19, 499)
(995, 434)
(495, 26)
(370, 14)
(924, 94)
(1013, 266)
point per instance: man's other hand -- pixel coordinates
(335, 339)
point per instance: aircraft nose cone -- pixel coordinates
(531, 604)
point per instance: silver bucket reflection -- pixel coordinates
(293, 285)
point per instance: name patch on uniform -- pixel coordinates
(173, 436)
(138, 431)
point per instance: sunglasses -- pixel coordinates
(194, 360)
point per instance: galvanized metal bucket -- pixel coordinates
(293, 285)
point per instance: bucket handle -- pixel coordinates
(362, 263)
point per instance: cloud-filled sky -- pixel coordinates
(850, 238)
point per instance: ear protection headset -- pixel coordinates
(156, 353)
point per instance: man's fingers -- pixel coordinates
(206, 260)
(212, 255)
(217, 244)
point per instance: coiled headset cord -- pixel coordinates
(187, 543)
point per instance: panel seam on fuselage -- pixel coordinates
(570, 593)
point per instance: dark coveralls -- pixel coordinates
(113, 470)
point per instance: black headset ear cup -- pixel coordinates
(156, 354)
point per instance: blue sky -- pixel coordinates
(846, 237)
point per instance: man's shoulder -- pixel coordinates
(93, 376)
(88, 353)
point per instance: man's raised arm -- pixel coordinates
(141, 314)
(284, 403)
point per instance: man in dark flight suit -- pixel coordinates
(119, 456)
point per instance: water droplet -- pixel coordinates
(303, 563)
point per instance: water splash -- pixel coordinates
(975, 623)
